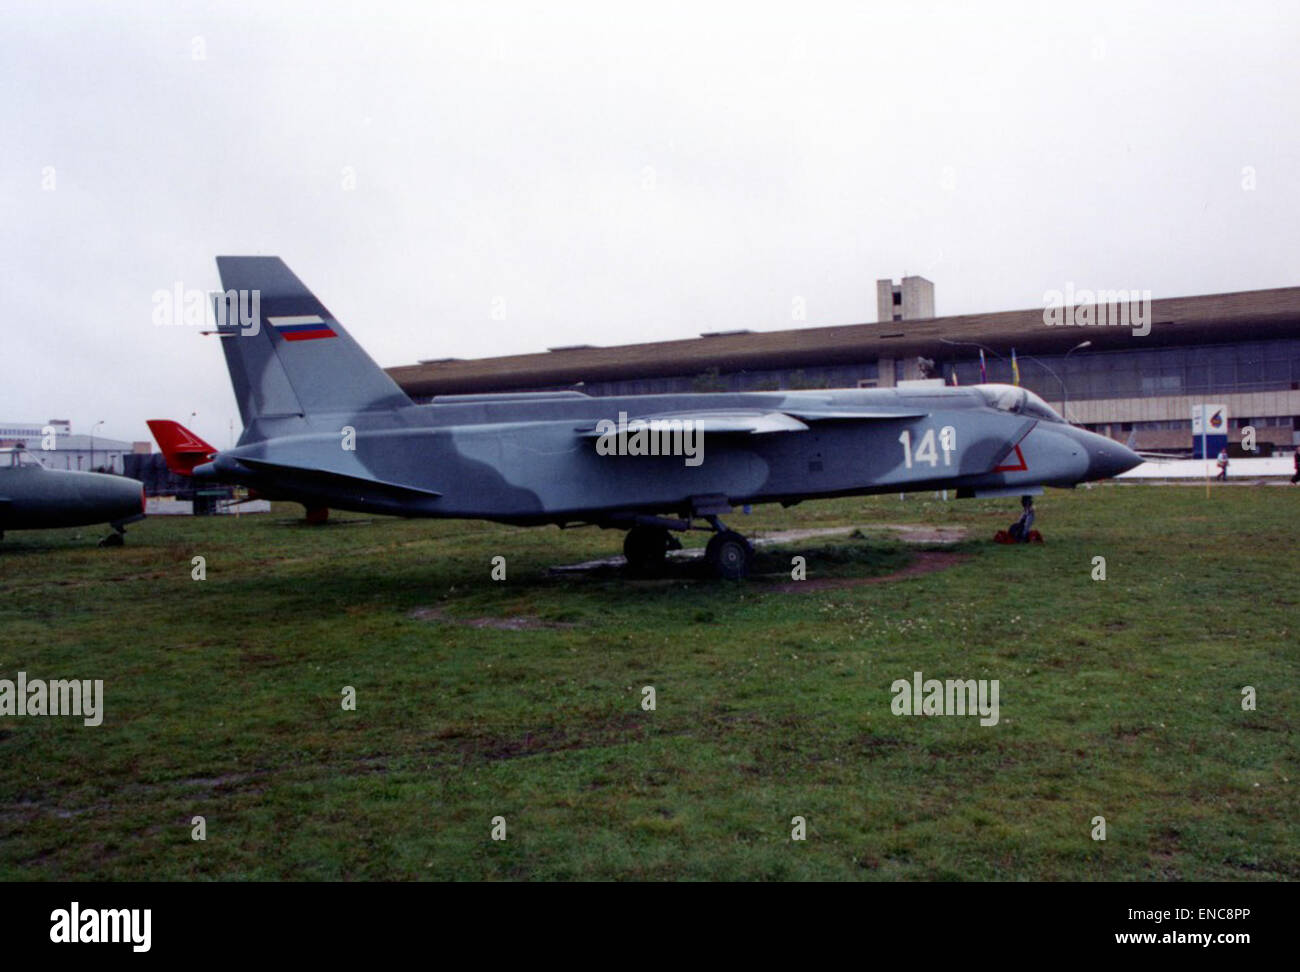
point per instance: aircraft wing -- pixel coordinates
(851, 415)
(712, 422)
(750, 421)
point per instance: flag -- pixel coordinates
(1015, 368)
(984, 375)
(301, 327)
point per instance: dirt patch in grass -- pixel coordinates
(618, 732)
(906, 532)
(517, 622)
(924, 562)
(919, 532)
(686, 562)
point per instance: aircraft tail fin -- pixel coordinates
(181, 448)
(288, 356)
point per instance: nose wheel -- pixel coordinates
(1022, 530)
(729, 555)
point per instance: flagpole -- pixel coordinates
(1205, 450)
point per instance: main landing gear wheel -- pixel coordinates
(645, 548)
(729, 555)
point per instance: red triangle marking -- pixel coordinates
(1023, 467)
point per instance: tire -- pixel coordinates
(645, 547)
(729, 555)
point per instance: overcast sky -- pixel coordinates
(613, 172)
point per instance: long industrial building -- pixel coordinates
(54, 446)
(1238, 350)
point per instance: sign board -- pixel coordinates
(1209, 430)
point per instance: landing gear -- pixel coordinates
(114, 539)
(317, 515)
(1022, 530)
(729, 555)
(645, 548)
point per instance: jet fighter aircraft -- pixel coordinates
(35, 498)
(324, 425)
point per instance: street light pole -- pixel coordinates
(1050, 371)
(1065, 395)
(973, 344)
(92, 443)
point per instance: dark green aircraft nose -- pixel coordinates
(41, 499)
(124, 498)
(98, 498)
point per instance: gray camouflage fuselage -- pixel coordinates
(325, 426)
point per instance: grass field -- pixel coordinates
(522, 699)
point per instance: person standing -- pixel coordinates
(1296, 477)
(1223, 465)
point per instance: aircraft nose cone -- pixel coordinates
(120, 498)
(1108, 458)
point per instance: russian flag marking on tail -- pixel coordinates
(301, 327)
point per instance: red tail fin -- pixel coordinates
(182, 449)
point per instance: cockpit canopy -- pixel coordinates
(1019, 401)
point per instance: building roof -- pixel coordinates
(1212, 319)
(82, 443)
